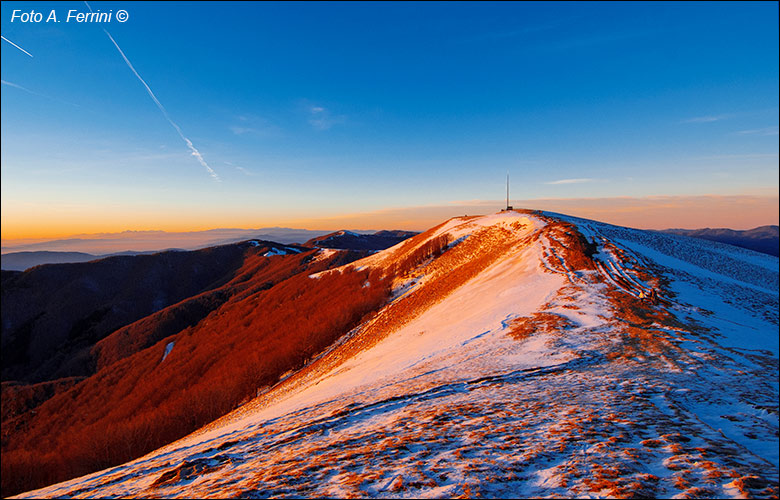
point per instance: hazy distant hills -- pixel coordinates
(343, 240)
(762, 239)
(156, 241)
(20, 261)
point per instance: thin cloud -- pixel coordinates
(253, 126)
(728, 116)
(706, 119)
(242, 130)
(570, 181)
(241, 169)
(322, 119)
(245, 171)
(193, 150)
(12, 43)
(759, 131)
(520, 31)
(593, 40)
(563, 42)
(749, 156)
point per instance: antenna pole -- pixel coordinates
(507, 190)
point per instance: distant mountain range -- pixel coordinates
(764, 239)
(342, 240)
(20, 261)
(145, 241)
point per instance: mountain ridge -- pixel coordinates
(523, 353)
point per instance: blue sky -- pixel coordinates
(327, 109)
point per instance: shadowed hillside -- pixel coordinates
(764, 239)
(348, 240)
(19, 261)
(53, 314)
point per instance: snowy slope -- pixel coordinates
(526, 359)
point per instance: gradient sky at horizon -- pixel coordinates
(317, 110)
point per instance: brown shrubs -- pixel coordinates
(431, 248)
(524, 327)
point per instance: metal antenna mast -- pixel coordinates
(507, 191)
(508, 206)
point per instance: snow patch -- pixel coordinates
(168, 349)
(281, 251)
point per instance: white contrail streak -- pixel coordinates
(12, 43)
(25, 89)
(193, 149)
(10, 84)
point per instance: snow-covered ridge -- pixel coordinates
(537, 355)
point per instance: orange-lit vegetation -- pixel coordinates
(522, 328)
(20, 398)
(576, 252)
(431, 248)
(273, 317)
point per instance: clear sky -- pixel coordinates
(326, 113)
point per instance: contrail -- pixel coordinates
(193, 149)
(12, 43)
(14, 85)
(10, 84)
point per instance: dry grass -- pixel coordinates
(543, 322)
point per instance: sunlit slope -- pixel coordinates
(522, 354)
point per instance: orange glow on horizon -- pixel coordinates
(735, 212)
